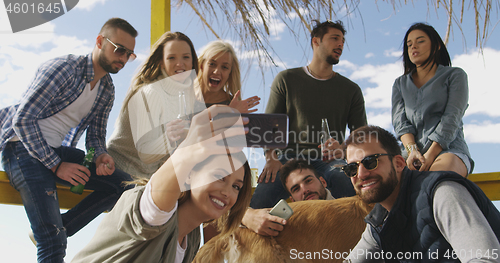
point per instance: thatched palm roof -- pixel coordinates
(252, 20)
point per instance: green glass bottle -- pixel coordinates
(87, 161)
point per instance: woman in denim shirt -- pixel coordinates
(428, 103)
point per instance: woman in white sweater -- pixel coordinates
(147, 128)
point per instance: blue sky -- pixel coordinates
(371, 58)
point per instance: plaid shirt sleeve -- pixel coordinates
(47, 94)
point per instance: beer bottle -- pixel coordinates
(254, 167)
(183, 115)
(87, 161)
(325, 135)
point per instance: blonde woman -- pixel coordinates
(219, 78)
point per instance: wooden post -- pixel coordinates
(160, 18)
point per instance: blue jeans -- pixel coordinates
(37, 186)
(266, 195)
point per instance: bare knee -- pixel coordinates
(449, 162)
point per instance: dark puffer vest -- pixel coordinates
(410, 225)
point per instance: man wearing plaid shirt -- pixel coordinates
(38, 136)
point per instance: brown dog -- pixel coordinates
(318, 231)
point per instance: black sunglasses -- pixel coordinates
(369, 162)
(120, 51)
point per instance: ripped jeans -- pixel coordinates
(37, 186)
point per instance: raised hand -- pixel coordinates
(244, 106)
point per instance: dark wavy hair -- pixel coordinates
(293, 165)
(439, 54)
(320, 29)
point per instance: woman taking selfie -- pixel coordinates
(203, 181)
(428, 104)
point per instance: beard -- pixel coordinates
(382, 192)
(107, 66)
(321, 194)
(331, 60)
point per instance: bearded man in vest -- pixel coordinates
(434, 216)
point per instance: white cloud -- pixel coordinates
(484, 87)
(392, 53)
(22, 53)
(294, 15)
(369, 55)
(485, 132)
(382, 76)
(87, 5)
(253, 57)
(380, 119)
(275, 26)
(346, 64)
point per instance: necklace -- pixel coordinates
(318, 76)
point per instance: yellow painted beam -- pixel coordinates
(10, 196)
(488, 182)
(160, 18)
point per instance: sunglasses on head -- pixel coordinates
(120, 51)
(369, 162)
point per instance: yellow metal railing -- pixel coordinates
(10, 196)
(488, 182)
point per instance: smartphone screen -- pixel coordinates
(265, 130)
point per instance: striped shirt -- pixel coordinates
(57, 84)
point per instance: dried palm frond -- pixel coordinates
(254, 22)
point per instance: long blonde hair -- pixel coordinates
(150, 70)
(213, 49)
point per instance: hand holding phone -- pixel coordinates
(282, 209)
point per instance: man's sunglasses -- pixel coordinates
(120, 51)
(369, 162)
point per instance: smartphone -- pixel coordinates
(264, 130)
(282, 209)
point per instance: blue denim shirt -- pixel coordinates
(434, 111)
(57, 84)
